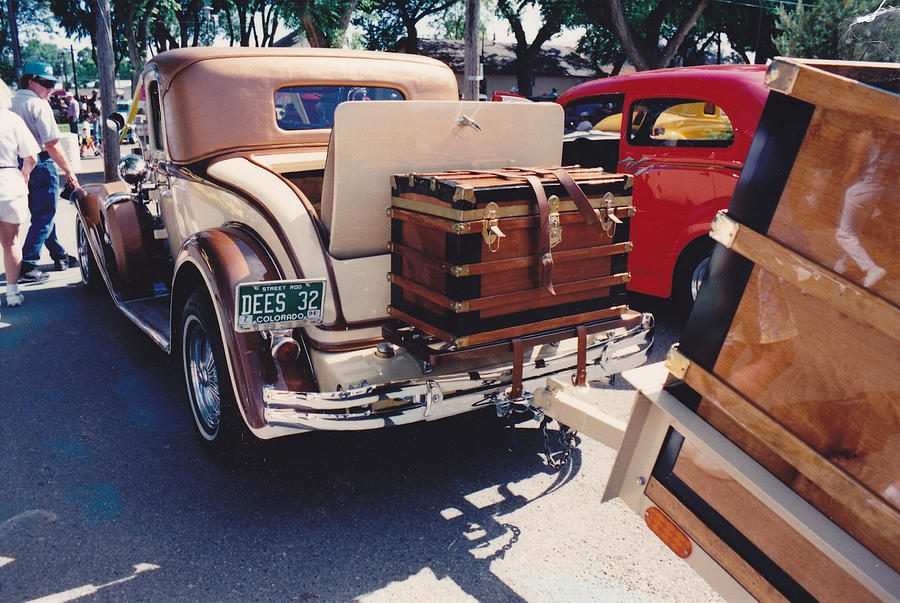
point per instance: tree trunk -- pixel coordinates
(471, 81)
(625, 35)
(12, 11)
(689, 20)
(105, 69)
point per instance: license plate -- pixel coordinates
(278, 304)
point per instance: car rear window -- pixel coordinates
(312, 107)
(601, 113)
(678, 122)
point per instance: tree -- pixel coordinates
(104, 44)
(814, 31)
(388, 21)
(641, 25)
(554, 14)
(324, 22)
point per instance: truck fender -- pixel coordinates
(215, 261)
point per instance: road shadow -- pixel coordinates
(115, 477)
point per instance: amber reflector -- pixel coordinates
(668, 532)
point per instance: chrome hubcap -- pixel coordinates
(698, 276)
(202, 377)
(83, 252)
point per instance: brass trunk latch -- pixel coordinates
(608, 218)
(491, 227)
(555, 225)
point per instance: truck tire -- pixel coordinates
(217, 420)
(690, 271)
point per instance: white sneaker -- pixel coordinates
(873, 276)
(841, 265)
(14, 299)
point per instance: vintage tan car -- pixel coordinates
(251, 239)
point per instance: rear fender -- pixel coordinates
(215, 261)
(88, 203)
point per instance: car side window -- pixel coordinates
(678, 122)
(155, 114)
(312, 107)
(601, 113)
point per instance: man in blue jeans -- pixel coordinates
(30, 103)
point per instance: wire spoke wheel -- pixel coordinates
(202, 377)
(210, 394)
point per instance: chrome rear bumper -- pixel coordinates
(434, 397)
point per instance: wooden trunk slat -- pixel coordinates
(507, 300)
(781, 543)
(497, 266)
(435, 353)
(508, 333)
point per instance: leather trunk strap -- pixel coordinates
(544, 238)
(581, 362)
(516, 390)
(591, 216)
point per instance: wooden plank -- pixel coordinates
(739, 569)
(829, 90)
(533, 298)
(511, 332)
(497, 266)
(878, 520)
(826, 285)
(567, 404)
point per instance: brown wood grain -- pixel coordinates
(819, 281)
(829, 86)
(810, 567)
(826, 402)
(511, 332)
(840, 205)
(724, 555)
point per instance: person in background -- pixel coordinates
(73, 112)
(15, 142)
(30, 103)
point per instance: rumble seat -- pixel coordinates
(371, 141)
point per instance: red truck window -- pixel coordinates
(681, 122)
(598, 113)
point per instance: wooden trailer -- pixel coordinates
(766, 452)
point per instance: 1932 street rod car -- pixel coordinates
(250, 240)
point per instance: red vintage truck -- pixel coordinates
(685, 139)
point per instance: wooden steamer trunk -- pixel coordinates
(475, 259)
(792, 350)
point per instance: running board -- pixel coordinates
(151, 315)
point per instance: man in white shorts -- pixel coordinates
(15, 141)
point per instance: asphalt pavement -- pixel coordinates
(107, 496)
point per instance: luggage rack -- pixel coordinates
(404, 332)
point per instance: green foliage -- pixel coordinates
(385, 22)
(814, 31)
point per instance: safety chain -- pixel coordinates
(566, 438)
